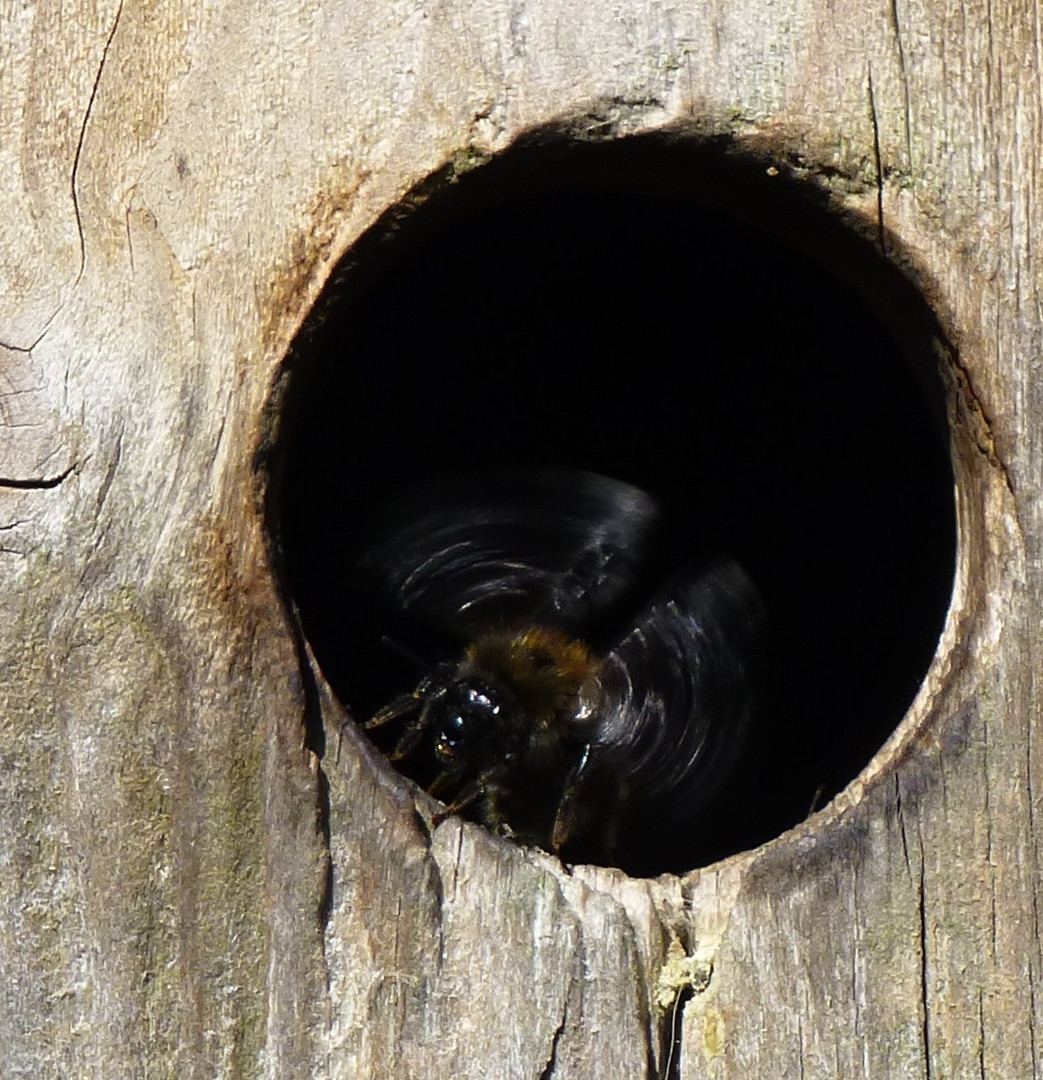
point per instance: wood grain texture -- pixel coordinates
(177, 179)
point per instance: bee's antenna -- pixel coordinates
(403, 651)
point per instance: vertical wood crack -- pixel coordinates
(880, 235)
(925, 1003)
(673, 1031)
(552, 1060)
(901, 825)
(981, 1035)
(78, 156)
(905, 85)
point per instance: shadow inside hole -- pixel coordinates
(665, 315)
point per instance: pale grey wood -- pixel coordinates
(176, 179)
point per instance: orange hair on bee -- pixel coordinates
(553, 676)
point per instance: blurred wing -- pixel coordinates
(680, 688)
(557, 547)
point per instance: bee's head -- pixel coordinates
(466, 716)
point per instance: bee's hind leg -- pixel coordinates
(565, 818)
(609, 816)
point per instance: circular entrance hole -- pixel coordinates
(687, 322)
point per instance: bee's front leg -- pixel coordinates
(474, 790)
(402, 706)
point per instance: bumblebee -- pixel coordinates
(588, 701)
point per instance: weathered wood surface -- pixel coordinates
(175, 181)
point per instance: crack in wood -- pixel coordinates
(925, 1003)
(901, 825)
(552, 1059)
(905, 84)
(981, 1035)
(77, 157)
(981, 433)
(877, 157)
(801, 1046)
(673, 1031)
(110, 473)
(73, 182)
(39, 483)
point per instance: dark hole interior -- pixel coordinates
(666, 314)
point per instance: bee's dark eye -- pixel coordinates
(465, 715)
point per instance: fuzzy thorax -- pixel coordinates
(553, 677)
